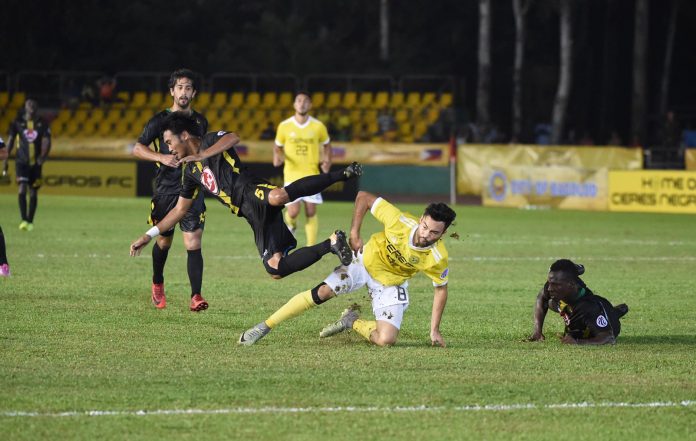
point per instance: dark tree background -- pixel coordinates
(305, 37)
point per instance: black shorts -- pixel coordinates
(28, 173)
(270, 232)
(164, 203)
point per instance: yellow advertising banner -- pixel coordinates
(690, 159)
(473, 158)
(661, 191)
(82, 178)
(545, 187)
(262, 151)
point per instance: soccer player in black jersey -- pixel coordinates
(4, 265)
(32, 135)
(182, 87)
(212, 165)
(589, 319)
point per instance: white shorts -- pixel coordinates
(388, 302)
(313, 199)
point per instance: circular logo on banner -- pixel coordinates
(208, 180)
(497, 186)
(601, 321)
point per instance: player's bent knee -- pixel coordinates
(383, 341)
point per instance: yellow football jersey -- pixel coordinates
(390, 255)
(302, 145)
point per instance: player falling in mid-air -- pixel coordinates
(32, 135)
(212, 165)
(303, 145)
(589, 319)
(182, 87)
(406, 246)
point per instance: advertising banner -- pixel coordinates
(690, 159)
(473, 158)
(660, 191)
(82, 178)
(545, 187)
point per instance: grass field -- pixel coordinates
(85, 356)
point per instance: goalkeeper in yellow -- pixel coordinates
(302, 143)
(384, 264)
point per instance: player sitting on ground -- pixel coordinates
(389, 259)
(589, 319)
(212, 164)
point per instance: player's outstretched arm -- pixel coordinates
(166, 224)
(223, 144)
(144, 153)
(363, 203)
(439, 302)
(540, 309)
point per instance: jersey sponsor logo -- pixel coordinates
(208, 180)
(31, 135)
(601, 321)
(444, 273)
(413, 260)
(394, 255)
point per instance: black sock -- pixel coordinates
(159, 258)
(314, 184)
(194, 265)
(33, 202)
(3, 255)
(302, 258)
(23, 206)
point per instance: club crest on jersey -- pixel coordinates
(601, 321)
(208, 180)
(31, 135)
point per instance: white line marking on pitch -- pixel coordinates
(349, 409)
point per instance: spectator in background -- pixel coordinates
(107, 88)
(87, 94)
(386, 125)
(669, 132)
(363, 133)
(542, 134)
(614, 139)
(268, 132)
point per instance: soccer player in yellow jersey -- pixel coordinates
(302, 143)
(387, 261)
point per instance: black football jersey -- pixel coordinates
(28, 135)
(167, 179)
(219, 176)
(590, 315)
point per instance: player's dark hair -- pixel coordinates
(569, 268)
(303, 92)
(180, 122)
(183, 73)
(441, 213)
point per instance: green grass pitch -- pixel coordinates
(82, 351)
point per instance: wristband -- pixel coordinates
(152, 232)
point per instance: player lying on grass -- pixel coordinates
(212, 165)
(589, 319)
(388, 260)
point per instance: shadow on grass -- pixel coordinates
(658, 339)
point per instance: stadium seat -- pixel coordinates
(17, 101)
(419, 129)
(218, 101)
(243, 115)
(285, 100)
(355, 116)
(369, 116)
(428, 99)
(80, 115)
(365, 100)
(88, 128)
(105, 128)
(269, 100)
(349, 100)
(413, 100)
(276, 116)
(397, 100)
(4, 98)
(445, 100)
(202, 100)
(139, 100)
(381, 100)
(71, 128)
(121, 128)
(130, 115)
(252, 100)
(236, 100)
(156, 100)
(333, 100)
(318, 99)
(402, 116)
(225, 119)
(113, 115)
(123, 97)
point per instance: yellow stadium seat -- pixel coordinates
(275, 116)
(121, 128)
(333, 100)
(123, 96)
(104, 128)
(226, 117)
(71, 128)
(318, 99)
(349, 99)
(269, 100)
(401, 116)
(285, 99)
(365, 100)
(80, 115)
(87, 106)
(56, 127)
(355, 116)
(202, 100)
(243, 115)
(253, 99)
(446, 100)
(63, 115)
(139, 99)
(419, 129)
(97, 114)
(397, 100)
(428, 99)
(4, 98)
(113, 115)
(156, 100)
(18, 99)
(370, 116)
(413, 100)
(381, 100)
(432, 115)
(236, 100)
(218, 101)
(130, 115)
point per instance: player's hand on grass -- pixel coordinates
(137, 246)
(436, 339)
(568, 340)
(537, 336)
(169, 160)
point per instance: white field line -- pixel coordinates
(348, 409)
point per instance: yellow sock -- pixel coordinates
(295, 306)
(290, 222)
(365, 327)
(311, 228)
